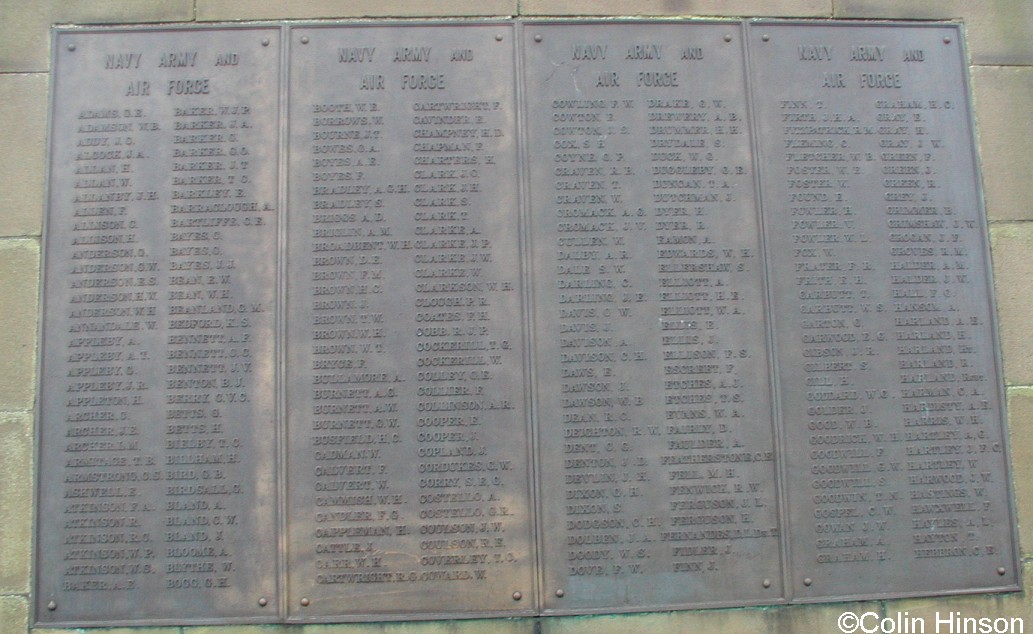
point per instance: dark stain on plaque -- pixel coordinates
(157, 427)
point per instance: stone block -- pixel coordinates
(14, 615)
(822, 617)
(226, 629)
(16, 487)
(998, 31)
(24, 31)
(476, 626)
(760, 8)
(730, 620)
(25, 26)
(310, 9)
(23, 125)
(1004, 120)
(1020, 422)
(1011, 244)
(19, 277)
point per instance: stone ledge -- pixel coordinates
(477, 626)
(1004, 605)
(124, 630)
(213, 10)
(767, 8)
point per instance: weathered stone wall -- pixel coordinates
(1000, 41)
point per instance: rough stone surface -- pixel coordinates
(999, 31)
(14, 615)
(733, 620)
(1005, 605)
(23, 123)
(15, 501)
(816, 618)
(1011, 244)
(1004, 120)
(305, 9)
(1020, 420)
(759, 8)
(19, 275)
(232, 629)
(25, 26)
(492, 626)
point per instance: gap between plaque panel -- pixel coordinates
(527, 313)
(282, 329)
(774, 344)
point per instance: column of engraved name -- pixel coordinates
(459, 359)
(946, 397)
(353, 392)
(112, 279)
(831, 277)
(592, 258)
(211, 341)
(709, 297)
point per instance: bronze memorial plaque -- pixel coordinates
(418, 320)
(157, 487)
(656, 452)
(407, 427)
(891, 400)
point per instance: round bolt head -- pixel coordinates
(263, 602)
(728, 37)
(71, 47)
(517, 595)
(765, 37)
(1001, 571)
(807, 581)
(52, 606)
(304, 603)
(304, 39)
(265, 41)
(560, 593)
(766, 583)
(947, 40)
(498, 38)
(538, 38)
